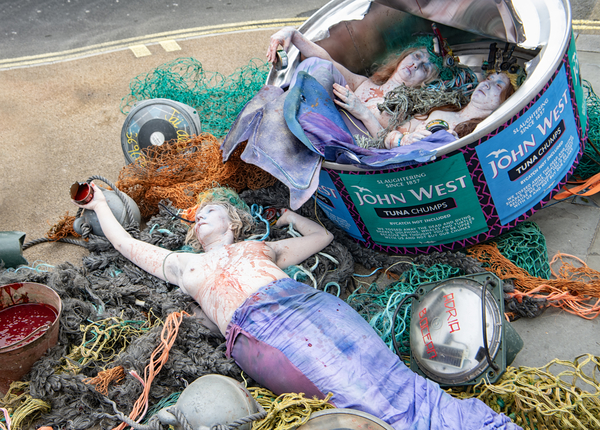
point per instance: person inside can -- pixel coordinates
(413, 67)
(487, 97)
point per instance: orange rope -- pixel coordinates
(158, 358)
(577, 305)
(105, 377)
(586, 187)
(575, 289)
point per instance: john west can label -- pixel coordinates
(424, 206)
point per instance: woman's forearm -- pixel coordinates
(111, 228)
(144, 255)
(307, 47)
(371, 123)
(290, 36)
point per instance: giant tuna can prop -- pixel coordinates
(485, 183)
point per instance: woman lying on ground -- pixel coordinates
(286, 335)
(413, 67)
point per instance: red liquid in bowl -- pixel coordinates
(19, 321)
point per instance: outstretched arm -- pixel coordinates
(290, 36)
(150, 258)
(297, 249)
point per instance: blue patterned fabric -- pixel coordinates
(337, 350)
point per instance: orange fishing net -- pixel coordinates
(63, 228)
(575, 289)
(178, 171)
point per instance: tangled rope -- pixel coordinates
(589, 165)
(179, 171)
(378, 308)
(287, 411)
(218, 99)
(575, 289)
(403, 103)
(19, 407)
(157, 361)
(105, 377)
(540, 399)
(105, 339)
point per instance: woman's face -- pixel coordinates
(490, 92)
(212, 219)
(415, 68)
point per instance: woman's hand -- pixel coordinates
(98, 198)
(286, 218)
(397, 138)
(282, 38)
(295, 250)
(349, 101)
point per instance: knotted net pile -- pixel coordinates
(589, 165)
(179, 171)
(217, 98)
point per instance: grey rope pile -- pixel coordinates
(108, 285)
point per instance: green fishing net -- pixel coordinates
(589, 165)
(378, 307)
(525, 246)
(218, 99)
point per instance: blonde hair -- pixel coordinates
(240, 219)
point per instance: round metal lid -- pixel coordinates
(154, 122)
(446, 335)
(344, 419)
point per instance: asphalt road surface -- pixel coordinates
(35, 27)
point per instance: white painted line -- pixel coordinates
(102, 48)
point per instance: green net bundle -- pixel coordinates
(218, 99)
(378, 307)
(525, 245)
(589, 164)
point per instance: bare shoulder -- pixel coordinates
(357, 81)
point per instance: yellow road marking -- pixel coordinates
(585, 24)
(170, 45)
(140, 50)
(145, 40)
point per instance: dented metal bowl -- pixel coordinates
(17, 358)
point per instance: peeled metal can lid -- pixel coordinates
(344, 419)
